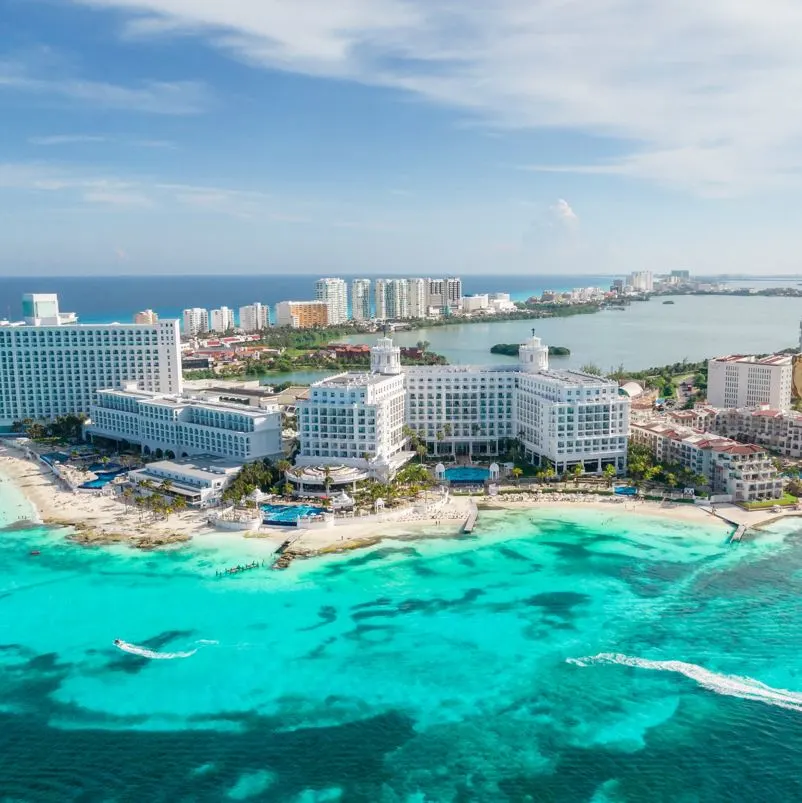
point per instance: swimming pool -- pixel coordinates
(288, 515)
(467, 474)
(103, 479)
(626, 490)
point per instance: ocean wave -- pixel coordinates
(745, 688)
(146, 653)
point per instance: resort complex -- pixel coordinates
(562, 418)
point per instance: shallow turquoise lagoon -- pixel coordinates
(585, 658)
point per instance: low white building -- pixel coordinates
(200, 480)
(357, 419)
(746, 381)
(475, 303)
(743, 471)
(186, 426)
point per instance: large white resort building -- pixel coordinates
(50, 365)
(185, 426)
(562, 418)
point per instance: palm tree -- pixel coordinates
(421, 450)
(578, 470)
(128, 497)
(327, 479)
(517, 472)
(283, 465)
(447, 432)
(440, 438)
(610, 473)
(165, 486)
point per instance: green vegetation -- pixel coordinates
(62, 428)
(642, 467)
(511, 350)
(261, 474)
(591, 368)
(766, 504)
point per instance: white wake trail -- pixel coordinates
(730, 685)
(146, 653)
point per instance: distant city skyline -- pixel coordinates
(398, 137)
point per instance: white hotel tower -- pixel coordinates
(561, 418)
(51, 366)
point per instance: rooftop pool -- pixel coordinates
(467, 474)
(288, 515)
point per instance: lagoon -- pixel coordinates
(645, 334)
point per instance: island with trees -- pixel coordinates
(511, 350)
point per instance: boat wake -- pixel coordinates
(144, 652)
(730, 685)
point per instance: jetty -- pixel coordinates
(470, 522)
(738, 534)
(248, 567)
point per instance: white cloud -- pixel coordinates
(67, 139)
(702, 95)
(153, 97)
(563, 212)
(90, 139)
(118, 198)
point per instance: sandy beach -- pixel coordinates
(99, 519)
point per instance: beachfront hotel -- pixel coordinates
(360, 299)
(742, 471)
(50, 365)
(739, 381)
(562, 418)
(356, 419)
(185, 426)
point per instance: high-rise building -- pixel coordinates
(254, 318)
(146, 316)
(682, 275)
(196, 320)
(335, 293)
(360, 299)
(357, 419)
(435, 294)
(53, 369)
(380, 299)
(738, 381)
(302, 314)
(642, 281)
(222, 320)
(416, 298)
(397, 306)
(454, 292)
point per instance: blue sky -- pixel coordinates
(400, 136)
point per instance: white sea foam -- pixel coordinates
(731, 685)
(206, 642)
(146, 653)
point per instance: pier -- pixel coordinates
(248, 567)
(470, 522)
(738, 534)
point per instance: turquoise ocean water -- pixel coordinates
(580, 659)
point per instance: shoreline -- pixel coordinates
(99, 520)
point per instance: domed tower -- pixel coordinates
(385, 357)
(533, 356)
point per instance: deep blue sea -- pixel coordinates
(109, 298)
(580, 657)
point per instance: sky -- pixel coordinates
(400, 136)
